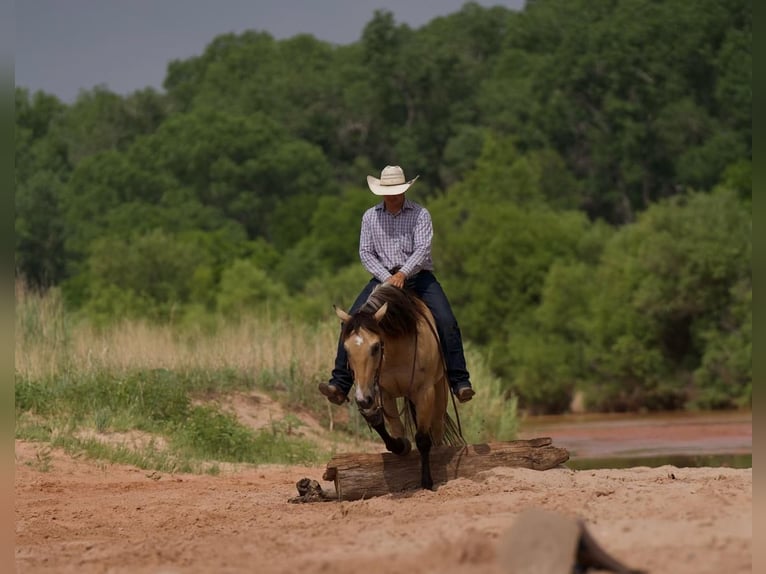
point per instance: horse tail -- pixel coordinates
(410, 419)
(452, 436)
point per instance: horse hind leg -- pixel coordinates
(423, 441)
(439, 415)
(425, 416)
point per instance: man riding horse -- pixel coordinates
(395, 247)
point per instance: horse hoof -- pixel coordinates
(404, 449)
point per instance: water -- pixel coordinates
(679, 461)
(714, 439)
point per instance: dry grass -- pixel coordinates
(41, 333)
(48, 343)
(250, 346)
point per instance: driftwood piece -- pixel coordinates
(311, 491)
(366, 475)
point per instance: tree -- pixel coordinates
(98, 121)
(671, 284)
(41, 171)
(39, 230)
(598, 83)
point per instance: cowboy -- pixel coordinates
(395, 247)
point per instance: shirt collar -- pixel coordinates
(407, 205)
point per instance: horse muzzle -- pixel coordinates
(366, 403)
(370, 410)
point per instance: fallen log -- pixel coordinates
(366, 475)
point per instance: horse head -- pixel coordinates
(363, 341)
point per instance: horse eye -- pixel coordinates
(375, 349)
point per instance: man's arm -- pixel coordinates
(367, 252)
(423, 234)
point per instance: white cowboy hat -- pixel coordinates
(391, 181)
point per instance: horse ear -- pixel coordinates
(345, 317)
(380, 312)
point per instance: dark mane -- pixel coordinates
(400, 320)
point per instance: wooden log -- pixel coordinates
(366, 475)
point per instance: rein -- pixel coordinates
(376, 380)
(378, 405)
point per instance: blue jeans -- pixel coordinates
(425, 285)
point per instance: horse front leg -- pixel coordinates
(391, 414)
(375, 418)
(397, 445)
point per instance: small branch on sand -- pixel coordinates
(311, 491)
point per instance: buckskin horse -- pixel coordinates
(394, 351)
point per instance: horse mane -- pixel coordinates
(400, 320)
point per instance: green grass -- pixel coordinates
(490, 415)
(177, 407)
(211, 434)
(42, 461)
(158, 402)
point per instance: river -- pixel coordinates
(623, 440)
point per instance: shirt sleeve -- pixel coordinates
(367, 252)
(423, 234)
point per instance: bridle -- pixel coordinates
(375, 412)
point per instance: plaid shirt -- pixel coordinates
(404, 240)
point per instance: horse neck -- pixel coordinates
(418, 349)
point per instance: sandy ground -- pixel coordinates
(86, 517)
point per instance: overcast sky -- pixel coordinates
(63, 46)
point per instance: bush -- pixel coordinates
(245, 288)
(663, 308)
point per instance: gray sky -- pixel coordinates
(62, 46)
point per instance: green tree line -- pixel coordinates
(587, 164)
